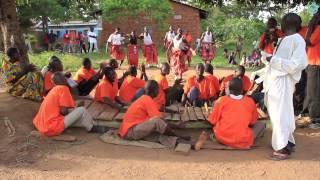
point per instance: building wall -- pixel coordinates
(185, 17)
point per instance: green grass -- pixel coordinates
(72, 62)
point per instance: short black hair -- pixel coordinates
(291, 20)
(107, 71)
(12, 51)
(52, 63)
(86, 61)
(151, 88)
(241, 69)
(235, 86)
(208, 68)
(272, 22)
(132, 70)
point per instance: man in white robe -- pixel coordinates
(283, 72)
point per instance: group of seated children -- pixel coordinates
(254, 60)
(233, 117)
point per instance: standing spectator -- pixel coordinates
(52, 41)
(239, 44)
(73, 41)
(66, 41)
(82, 43)
(92, 36)
(46, 41)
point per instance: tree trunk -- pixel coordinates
(10, 28)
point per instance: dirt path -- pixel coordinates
(33, 158)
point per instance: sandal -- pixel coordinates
(278, 156)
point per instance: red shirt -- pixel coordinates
(106, 89)
(206, 91)
(140, 111)
(268, 48)
(231, 119)
(66, 38)
(83, 74)
(246, 83)
(129, 87)
(48, 120)
(163, 85)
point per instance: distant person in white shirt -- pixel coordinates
(92, 37)
(115, 41)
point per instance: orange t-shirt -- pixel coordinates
(231, 119)
(206, 91)
(48, 85)
(83, 73)
(163, 85)
(246, 83)
(313, 52)
(48, 120)
(268, 48)
(214, 83)
(129, 87)
(141, 110)
(106, 89)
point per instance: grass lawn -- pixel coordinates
(72, 62)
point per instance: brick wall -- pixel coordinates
(187, 18)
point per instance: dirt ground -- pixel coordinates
(27, 157)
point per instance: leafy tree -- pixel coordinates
(113, 10)
(230, 28)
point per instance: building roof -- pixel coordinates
(203, 13)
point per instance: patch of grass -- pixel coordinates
(72, 62)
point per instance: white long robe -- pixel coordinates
(283, 72)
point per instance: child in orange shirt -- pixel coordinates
(57, 111)
(86, 77)
(54, 65)
(214, 81)
(239, 73)
(132, 87)
(197, 89)
(234, 118)
(143, 119)
(107, 89)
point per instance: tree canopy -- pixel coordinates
(158, 10)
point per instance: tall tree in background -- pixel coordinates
(10, 29)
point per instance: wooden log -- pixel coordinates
(192, 114)
(167, 116)
(107, 115)
(199, 113)
(97, 108)
(119, 116)
(175, 117)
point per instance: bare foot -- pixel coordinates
(201, 140)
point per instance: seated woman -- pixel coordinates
(58, 112)
(22, 79)
(132, 87)
(198, 89)
(86, 77)
(107, 89)
(143, 121)
(54, 65)
(239, 73)
(234, 119)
